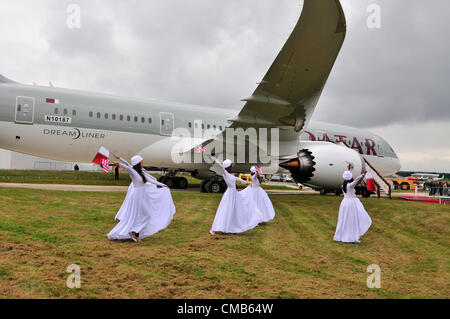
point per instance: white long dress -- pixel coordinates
(145, 210)
(149, 186)
(233, 214)
(258, 200)
(353, 220)
(162, 203)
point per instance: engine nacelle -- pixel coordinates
(321, 164)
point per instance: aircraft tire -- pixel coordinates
(182, 182)
(170, 182)
(215, 187)
(203, 188)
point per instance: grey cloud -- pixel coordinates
(399, 73)
(212, 52)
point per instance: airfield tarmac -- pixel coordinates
(102, 188)
(96, 188)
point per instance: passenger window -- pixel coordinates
(149, 120)
(190, 124)
(65, 111)
(121, 117)
(56, 110)
(74, 113)
(203, 126)
(113, 117)
(128, 118)
(214, 127)
(209, 126)
(220, 127)
(106, 116)
(19, 107)
(91, 114)
(143, 119)
(135, 118)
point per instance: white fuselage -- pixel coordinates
(70, 126)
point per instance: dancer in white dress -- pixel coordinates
(257, 198)
(353, 220)
(233, 214)
(150, 187)
(145, 210)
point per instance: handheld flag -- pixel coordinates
(370, 182)
(200, 149)
(105, 165)
(102, 154)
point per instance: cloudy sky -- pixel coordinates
(393, 80)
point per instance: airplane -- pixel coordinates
(70, 125)
(428, 177)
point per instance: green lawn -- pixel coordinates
(294, 256)
(63, 177)
(87, 178)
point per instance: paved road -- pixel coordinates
(96, 188)
(92, 188)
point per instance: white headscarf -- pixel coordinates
(253, 169)
(226, 163)
(136, 160)
(347, 175)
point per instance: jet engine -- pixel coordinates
(320, 164)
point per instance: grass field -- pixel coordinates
(68, 177)
(88, 178)
(42, 232)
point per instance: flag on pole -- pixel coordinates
(370, 182)
(258, 169)
(102, 154)
(105, 165)
(200, 149)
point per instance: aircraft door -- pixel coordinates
(166, 122)
(24, 110)
(379, 147)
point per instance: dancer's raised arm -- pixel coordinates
(216, 161)
(357, 180)
(123, 163)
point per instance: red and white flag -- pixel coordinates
(370, 182)
(200, 149)
(105, 165)
(102, 154)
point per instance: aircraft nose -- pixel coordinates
(396, 164)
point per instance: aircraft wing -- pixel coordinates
(288, 93)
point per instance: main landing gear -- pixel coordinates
(174, 181)
(215, 184)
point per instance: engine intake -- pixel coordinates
(302, 167)
(321, 164)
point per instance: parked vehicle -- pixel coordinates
(405, 183)
(289, 179)
(276, 178)
(246, 177)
